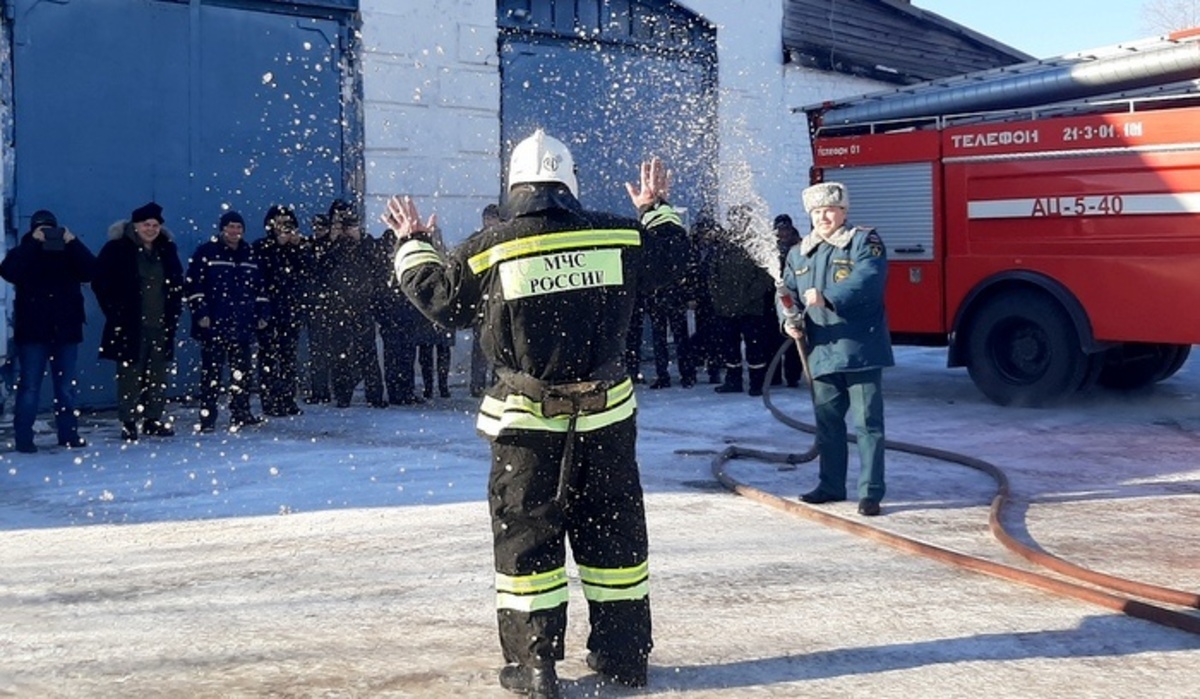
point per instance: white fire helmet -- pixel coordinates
(542, 158)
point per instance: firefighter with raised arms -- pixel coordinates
(551, 290)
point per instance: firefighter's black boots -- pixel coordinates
(536, 682)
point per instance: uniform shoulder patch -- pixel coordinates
(874, 242)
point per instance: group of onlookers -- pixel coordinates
(250, 305)
(720, 315)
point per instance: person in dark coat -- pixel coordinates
(668, 316)
(433, 344)
(743, 296)
(139, 286)
(321, 330)
(47, 269)
(790, 369)
(703, 238)
(352, 263)
(229, 305)
(286, 260)
(399, 326)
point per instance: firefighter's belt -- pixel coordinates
(575, 398)
(564, 399)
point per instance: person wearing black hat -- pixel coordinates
(139, 286)
(229, 305)
(286, 260)
(47, 270)
(351, 274)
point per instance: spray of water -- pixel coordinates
(757, 238)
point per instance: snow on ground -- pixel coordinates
(346, 553)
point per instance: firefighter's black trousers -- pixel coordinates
(604, 520)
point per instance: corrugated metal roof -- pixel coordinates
(1156, 68)
(887, 40)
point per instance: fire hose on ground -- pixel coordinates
(1082, 583)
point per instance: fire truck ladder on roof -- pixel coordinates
(1167, 65)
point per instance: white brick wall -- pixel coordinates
(432, 90)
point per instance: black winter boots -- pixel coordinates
(536, 682)
(758, 376)
(733, 382)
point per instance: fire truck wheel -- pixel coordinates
(1181, 356)
(1023, 350)
(1135, 365)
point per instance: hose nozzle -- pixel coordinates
(790, 311)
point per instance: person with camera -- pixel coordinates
(47, 270)
(139, 285)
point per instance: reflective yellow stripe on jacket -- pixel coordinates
(615, 584)
(551, 242)
(520, 412)
(413, 253)
(529, 593)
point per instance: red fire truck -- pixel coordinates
(1042, 220)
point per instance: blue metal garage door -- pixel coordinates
(201, 106)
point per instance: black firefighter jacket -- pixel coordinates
(553, 288)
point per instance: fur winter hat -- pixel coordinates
(146, 212)
(230, 217)
(826, 194)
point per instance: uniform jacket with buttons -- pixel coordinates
(225, 285)
(850, 333)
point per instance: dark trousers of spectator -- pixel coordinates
(706, 342)
(426, 356)
(755, 332)
(32, 358)
(277, 348)
(214, 355)
(633, 342)
(664, 319)
(322, 340)
(790, 369)
(142, 384)
(399, 355)
(356, 359)
(482, 376)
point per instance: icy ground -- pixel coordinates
(345, 553)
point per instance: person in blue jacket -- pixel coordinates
(837, 274)
(47, 269)
(229, 305)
